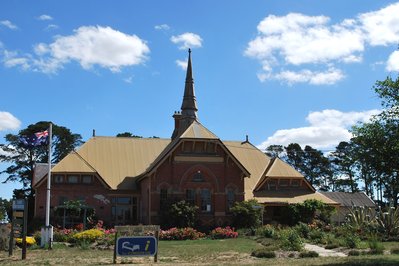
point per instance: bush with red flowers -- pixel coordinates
(221, 233)
(186, 233)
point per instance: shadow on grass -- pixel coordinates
(368, 262)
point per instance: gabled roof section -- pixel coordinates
(280, 169)
(73, 162)
(254, 160)
(347, 199)
(197, 131)
(114, 159)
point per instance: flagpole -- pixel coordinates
(49, 233)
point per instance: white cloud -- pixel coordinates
(300, 41)
(89, 46)
(45, 17)
(327, 128)
(8, 24)
(8, 121)
(182, 64)
(128, 79)
(393, 62)
(12, 59)
(51, 27)
(162, 27)
(187, 40)
(306, 76)
(382, 26)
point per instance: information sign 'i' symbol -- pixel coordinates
(147, 245)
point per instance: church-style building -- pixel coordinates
(128, 180)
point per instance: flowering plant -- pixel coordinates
(220, 233)
(186, 233)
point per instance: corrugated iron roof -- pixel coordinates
(291, 197)
(279, 168)
(252, 159)
(347, 199)
(114, 159)
(197, 131)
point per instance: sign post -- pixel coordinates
(136, 241)
(19, 224)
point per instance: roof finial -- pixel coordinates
(189, 51)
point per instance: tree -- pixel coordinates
(127, 135)
(247, 214)
(274, 151)
(5, 209)
(23, 158)
(345, 167)
(295, 156)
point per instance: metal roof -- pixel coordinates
(347, 199)
(291, 197)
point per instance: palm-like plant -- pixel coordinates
(388, 222)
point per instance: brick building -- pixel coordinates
(127, 180)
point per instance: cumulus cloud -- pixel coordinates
(51, 27)
(393, 62)
(187, 40)
(313, 77)
(8, 121)
(381, 26)
(45, 17)
(305, 42)
(326, 129)
(8, 24)
(89, 46)
(162, 27)
(182, 64)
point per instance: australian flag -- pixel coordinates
(34, 140)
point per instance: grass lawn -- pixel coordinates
(194, 252)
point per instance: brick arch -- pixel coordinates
(231, 186)
(189, 173)
(164, 185)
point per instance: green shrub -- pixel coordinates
(308, 254)
(354, 253)
(179, 214)
(376, 247)
(267, 231)
(395, 251)
(331, 246)
(351, 241)
(303, 229)
(290, 240)
(317, 236)
(245, 215)
(263, 253)
(388, 222)
(306, 212)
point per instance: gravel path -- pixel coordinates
(324, 252)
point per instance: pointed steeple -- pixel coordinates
(189, 106)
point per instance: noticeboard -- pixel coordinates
(136, 246)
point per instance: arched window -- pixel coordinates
(231, 198)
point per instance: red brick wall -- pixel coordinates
(178, 176)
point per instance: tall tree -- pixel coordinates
(22, 158)
(127, 135)
(275, 151)
(295, 156)
(345, 167)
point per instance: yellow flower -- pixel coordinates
(30, 240)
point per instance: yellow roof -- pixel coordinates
(114, 159)
(252, 159)
(73, 163)
(279, 168)
(288, 197)
(197, 131)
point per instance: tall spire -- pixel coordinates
(189, 106)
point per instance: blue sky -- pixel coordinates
(278, 71)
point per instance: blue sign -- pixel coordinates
(136, 246)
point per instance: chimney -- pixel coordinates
(94, 132)
(177, 116)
